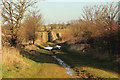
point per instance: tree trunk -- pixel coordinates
(33, 41)
(13, 41)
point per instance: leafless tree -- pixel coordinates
(32, 23)
(97, 20)
(104, 15)
(13, 13)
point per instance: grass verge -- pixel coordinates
(26, 64)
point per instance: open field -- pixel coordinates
(30, 65)
(35, 62)
(65, 40)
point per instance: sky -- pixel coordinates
(58, 12)
(79, 0)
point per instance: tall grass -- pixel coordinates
(11, 56)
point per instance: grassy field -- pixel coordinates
(34, 62)
(29, 64)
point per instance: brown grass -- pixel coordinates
(45, 37)
(11, 56)
(31, 47)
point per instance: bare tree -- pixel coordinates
(32, 23)
(97, 20)
(103, 15)
(13, 13)
(102, 22)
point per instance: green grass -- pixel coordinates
(39, 65)
(34, 70)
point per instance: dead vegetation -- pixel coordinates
(98, 28)
(11, 56)
(97, 35)
(12, 14)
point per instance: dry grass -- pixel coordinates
(31, 47)
(101, 73)
(13, 66)
(45, 37)
(11, 56)
(54, 36)
(59, 30)
(38, 41)
(39, 38)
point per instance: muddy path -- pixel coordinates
(75, 73)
